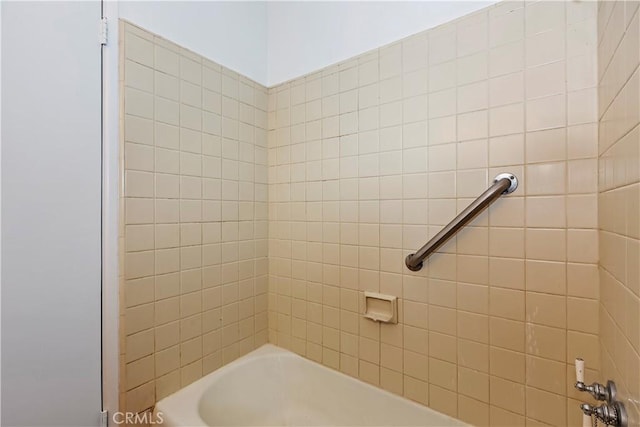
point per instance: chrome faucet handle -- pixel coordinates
(587, 409)
(598, 391)
(610, 414)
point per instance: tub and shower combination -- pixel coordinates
(275, 387)
(275, 214)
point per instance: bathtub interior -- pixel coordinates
(279, 388)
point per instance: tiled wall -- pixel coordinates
(194, 217)
(372, 156)
(619, 198)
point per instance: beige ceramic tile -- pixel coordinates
(336, 177)
(164, 258)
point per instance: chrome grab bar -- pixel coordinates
(505, 183)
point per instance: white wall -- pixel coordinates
(230, 33)
(305, 36)
(50, 214)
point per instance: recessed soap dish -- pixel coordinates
(380, 307)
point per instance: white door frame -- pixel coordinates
(110, 212)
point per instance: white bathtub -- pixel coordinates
(274, 387)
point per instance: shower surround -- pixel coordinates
(348, 170)
(194, 217)
(371, 157)
(619, 198)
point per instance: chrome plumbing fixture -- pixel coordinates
(612, 414)
(598, 391)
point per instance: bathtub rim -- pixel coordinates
(196, 389)
(186, 400)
